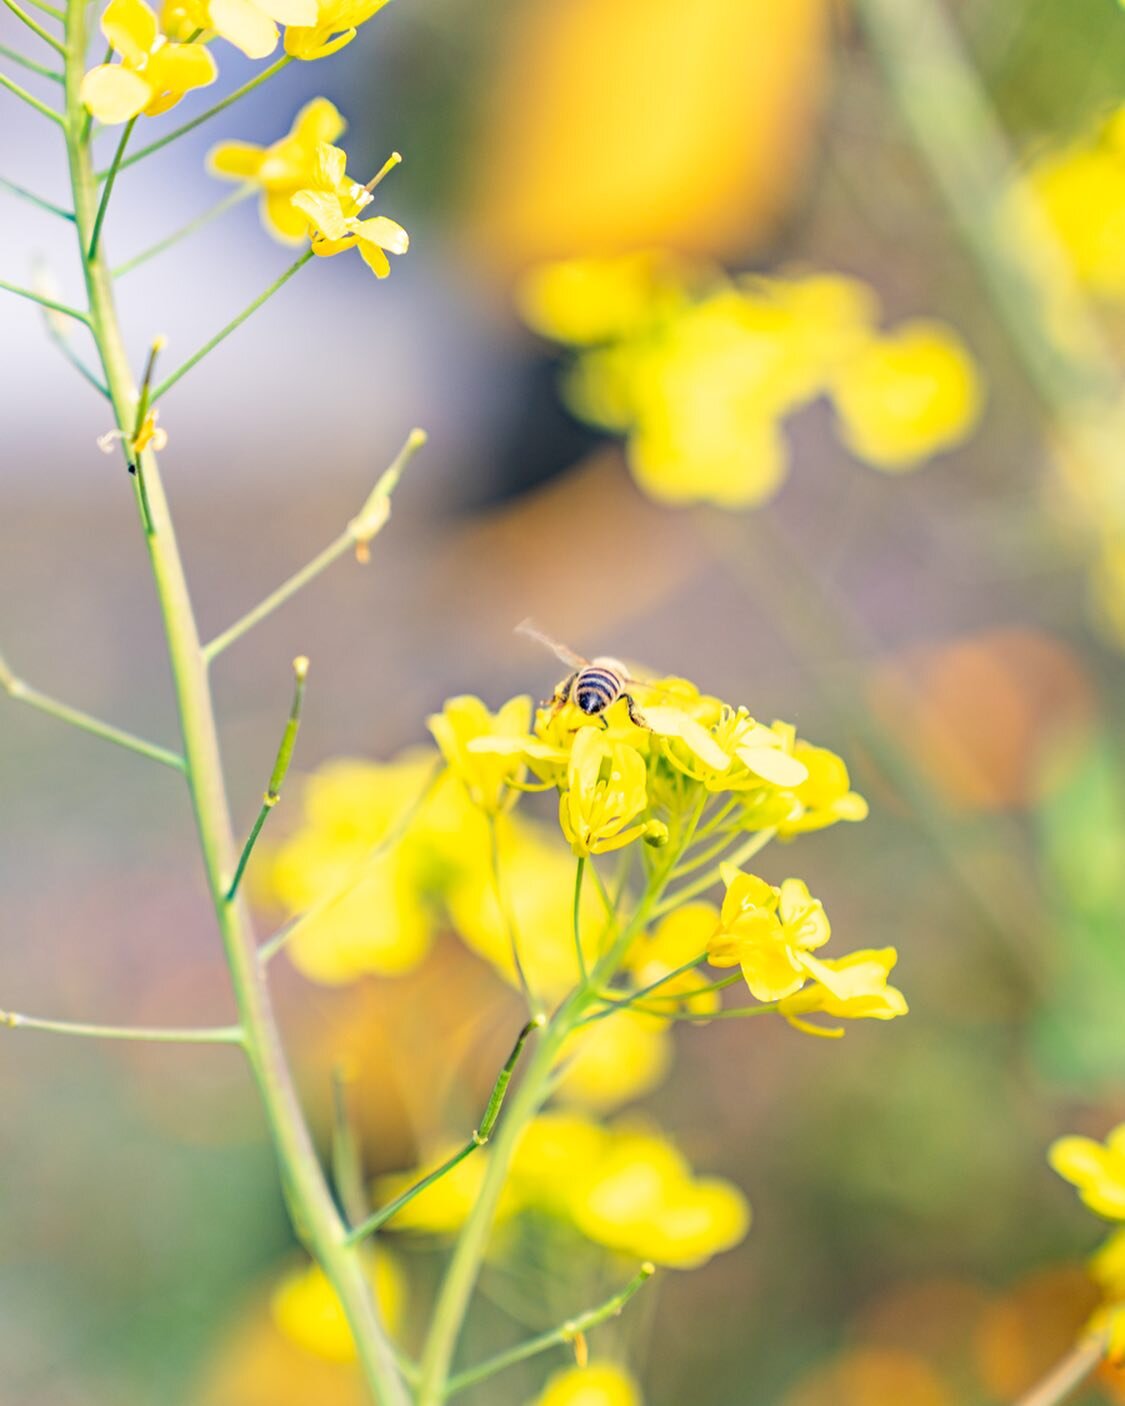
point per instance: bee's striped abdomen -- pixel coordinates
(596, 688)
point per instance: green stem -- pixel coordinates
(37, 28)
(14, 56)
(578, 873)
(33, 199)
(479, 1138)
(227, 203)
(158, 1035)
(47, 9)
(107, 191)
(40, 107)
(507, 915)
(752, 846)
(285, 935)
(708, 856)
(21, 692)
(277, 776)
(625, 1002)
(556, 1337)
(203, 116)
(232, 326)
(44, 302)
(315, 1217)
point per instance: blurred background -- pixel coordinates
(954, 631)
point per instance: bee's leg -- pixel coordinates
(603, 720)
(636, 717)
(561, 695)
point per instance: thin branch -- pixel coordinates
(277, 776)
(36, 28)
(23, 693)
(32, 198)
(203, 116)
(567, 1332)
(634, 996)
(1068, 1374)
(111, 176)
(45, 302)
(577, 921)
(14, 56)
(358, 534)
(285, 935)
(232, 326)
(228, 201)
(49, 10)
(75, 360)
(41, 107)
(697, 886)
(151, 1034)
(479, 1139)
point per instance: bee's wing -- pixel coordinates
(568, 656)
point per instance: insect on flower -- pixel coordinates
(592, 684)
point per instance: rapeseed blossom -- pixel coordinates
(331, 204)
(335, 26)
(700, 372)
(1096, 1169)
(596, 1384)
(859, 992)
(154, 72)
(306, 1310)
(605, 792)
(280, 170)
(769, 932)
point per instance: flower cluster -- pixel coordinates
(699, 372)
(624, 1187)
(1098, 1172)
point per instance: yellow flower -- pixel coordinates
(614, 1060)
(597, 1384)
(678, 939)
(586, 301)
(769, 933)
(380, 918)
(335, 25)
(1097, 1171)
(825, 796)
(1107, 1266)
(538, 878)
(550, 1148)
(250, 25)
(281, 170)
(444, 1205)
(860, 992)
(153, 74)
(306, 1310)
(641, 1199)
(331, 204)
(605, 793)
(488, 777)
(905, 396)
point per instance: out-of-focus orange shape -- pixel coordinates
(872, 1377)
(981, 716)
(613, 125)
(933, 1318)
(1026, 1332)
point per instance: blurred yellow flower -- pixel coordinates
(615, 1060)
(1097, 1170)
(331, 203)
(375, 900)
(538, 877)
(335, 25)
(279, 171)
(306, 1310)
(597, 1384)
(549, 1150)
(1107, 1265)
(679, 938)
(591, 300)
(487, 776)
(905, 396)
(769, 932)
(153, 75)
(860, 992)
(641, 1199)
(444, 1205)
(605, 794)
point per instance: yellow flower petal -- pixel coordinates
(245, 25)
(114, 93)
(673, 722)
(323, 212)
(386, 233)
(175, 69)
(283, 220)
(373, 256)
(774, 765)
(131, 27)
(318, 121)
(236, 161)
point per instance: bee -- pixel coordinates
(593, 684)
